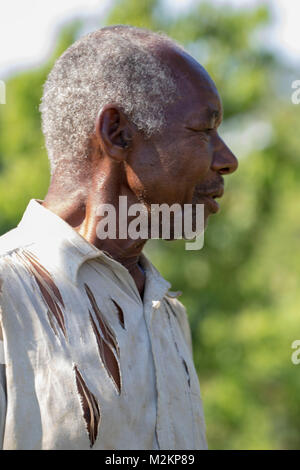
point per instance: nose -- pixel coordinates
(224, 161)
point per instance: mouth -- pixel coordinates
(209, 198)
(211, 203)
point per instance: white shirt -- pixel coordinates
(88, 364)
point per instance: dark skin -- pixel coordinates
(184, 164)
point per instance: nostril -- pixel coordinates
(225, 171)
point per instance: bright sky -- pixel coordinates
(28, 27)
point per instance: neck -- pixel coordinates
(80, 209)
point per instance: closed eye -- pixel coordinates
(208, 130)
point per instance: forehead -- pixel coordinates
(198, 95)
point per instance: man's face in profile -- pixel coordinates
(186, 162)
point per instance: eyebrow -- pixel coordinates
(213, 113)
(207, 114)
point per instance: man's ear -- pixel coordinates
(113, 132)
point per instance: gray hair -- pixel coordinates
(112, 65)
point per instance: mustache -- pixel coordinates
(210, 186)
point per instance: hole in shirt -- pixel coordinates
(89, 405)
(48, 289)
(120, 314)
(187, 372)
(107, 344)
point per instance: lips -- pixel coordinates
(211, 203)
(209, 198)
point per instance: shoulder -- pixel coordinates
(11, 270)
(9, 242)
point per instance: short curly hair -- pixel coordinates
(117, 65)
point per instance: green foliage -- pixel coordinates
(133, 13)
(241, 289)
(23, 160)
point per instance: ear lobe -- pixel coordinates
(113, 133)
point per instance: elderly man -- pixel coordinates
(96, 348)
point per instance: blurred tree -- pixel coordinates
(24, 169)
(241, 289)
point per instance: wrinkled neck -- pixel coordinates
(80, 206)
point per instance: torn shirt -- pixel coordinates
(88, 363)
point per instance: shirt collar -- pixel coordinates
(58, 245)
(55, 241)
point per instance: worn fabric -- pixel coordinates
(88, 363)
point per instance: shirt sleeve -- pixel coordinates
(3, 397)
(2, 402)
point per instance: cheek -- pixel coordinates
(149, 184)
(196, 163)
(202, 160)
(142, 170)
